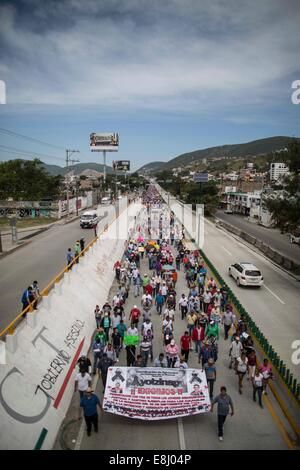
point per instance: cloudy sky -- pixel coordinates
(170, 76)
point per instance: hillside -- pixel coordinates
(78, 168)
(248, 149)
(150, 167)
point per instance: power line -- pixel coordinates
(27, 152)
(32, 139)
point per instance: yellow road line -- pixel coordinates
(286, 437)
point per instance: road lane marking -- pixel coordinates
(279, 424)
(181, 434)
(226, 250)
(273, 293)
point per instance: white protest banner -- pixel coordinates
(153, 393)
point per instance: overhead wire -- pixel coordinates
(32, 139)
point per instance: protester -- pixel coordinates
(185, 343)
(266, 370)
(89, 402)
(83, 380)
(224, 402)
(103, 365)
(172, 351)
(257, 383)
(236, 348)
(161, 361)
(242, 368)
(211, 375)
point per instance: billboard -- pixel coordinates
(108, 141)
(201, 178)
(154, 393)
(121, 165)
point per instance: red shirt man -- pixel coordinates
(185, 342)
(134, 314)
(149, 289)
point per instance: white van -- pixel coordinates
(88, 219)
(106, 201)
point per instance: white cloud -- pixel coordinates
(174, 55)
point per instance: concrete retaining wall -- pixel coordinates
(268, 251)
(37, 381)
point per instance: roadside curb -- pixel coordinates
(9, 252)
(28, 237)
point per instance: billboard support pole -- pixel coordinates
(116, 184)
(104, 165)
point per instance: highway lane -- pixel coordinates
(41, 259)
(269, 236)
(274, 307)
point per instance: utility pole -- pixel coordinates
(68, 160)
(104, 166)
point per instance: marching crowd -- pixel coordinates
(206, 309)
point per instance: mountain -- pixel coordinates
(150, 167)
(248, 149)
(78, 168)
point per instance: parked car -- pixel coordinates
(88, 219)
(106, 201)
(295, 239)
(246, 274)
(228, 211)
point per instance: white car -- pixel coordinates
(228, 211)
(246, 274)
(105, 201)
(295, 239)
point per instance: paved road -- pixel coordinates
(250, 428)
(41, 259)
(275, 306)
(269, 236)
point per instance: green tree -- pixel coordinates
(286, 212)
(27, 180)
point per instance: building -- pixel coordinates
(265, 217)
(277, 171)
(247, 204)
